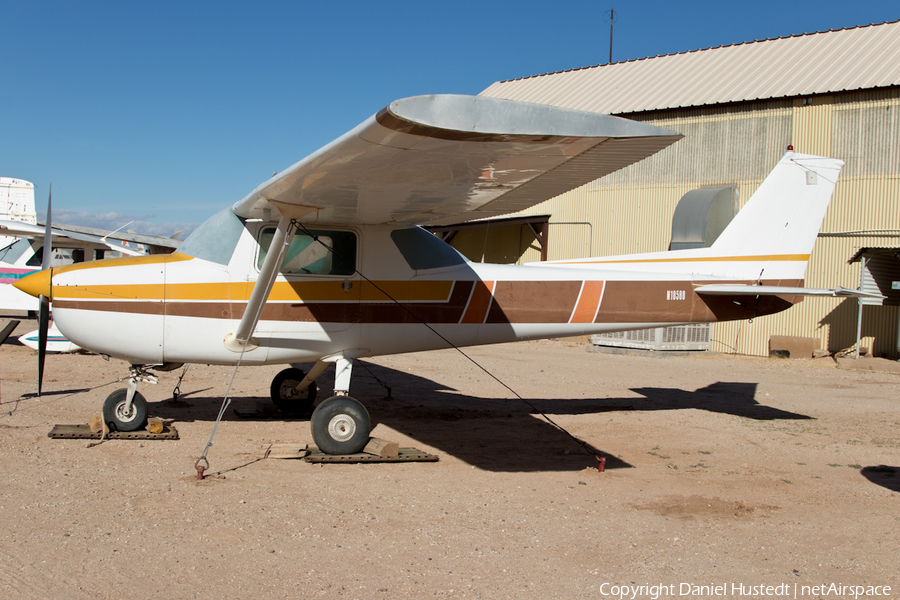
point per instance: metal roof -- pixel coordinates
(802, 65)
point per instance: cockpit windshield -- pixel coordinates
(216, 239)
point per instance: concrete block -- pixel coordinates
(786, 346)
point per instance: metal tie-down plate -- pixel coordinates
(83, 432)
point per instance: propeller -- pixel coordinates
(44, 309)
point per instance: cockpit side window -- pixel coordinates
(11, 253)
(322, 253)
(216, 239)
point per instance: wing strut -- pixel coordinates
(242, 339)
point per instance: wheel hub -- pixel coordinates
(341, 428)
(124, 415)
(289, 391)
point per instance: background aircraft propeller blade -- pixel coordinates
(44, 310)
(48, 233)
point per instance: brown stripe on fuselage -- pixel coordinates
(533, 301)
(663, 302)
(479, 303)
(730, 308)
(412, 312)
(512, 302)
(645, 302)
(142, 308)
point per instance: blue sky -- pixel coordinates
(166, 112)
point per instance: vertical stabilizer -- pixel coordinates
(17, 200)
(777, 228)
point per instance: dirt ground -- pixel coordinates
(722, 470)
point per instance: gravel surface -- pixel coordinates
(724, 470)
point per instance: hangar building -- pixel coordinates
(834, 93)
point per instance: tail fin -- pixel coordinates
(770, 239)
(777, 228)
(17, 200)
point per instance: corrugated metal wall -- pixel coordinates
(631, 210)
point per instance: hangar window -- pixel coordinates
(322, 253)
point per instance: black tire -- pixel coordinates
(117, 419)
(286, 399)
(340, 425)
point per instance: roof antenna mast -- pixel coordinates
(610, 17)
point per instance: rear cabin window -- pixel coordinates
(423, 250)
(322, 253)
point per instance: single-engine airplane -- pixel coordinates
(325, 261)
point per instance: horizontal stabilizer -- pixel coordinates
(777, 290)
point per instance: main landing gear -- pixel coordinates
(340, 424)
(290, 395)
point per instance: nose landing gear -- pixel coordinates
(126, 409)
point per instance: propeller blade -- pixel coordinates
(43, 326)
(44, 310)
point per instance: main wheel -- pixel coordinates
(286, 398)
(118, 418)
(340, 425)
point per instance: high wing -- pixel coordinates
(91, 236)
(449, 158)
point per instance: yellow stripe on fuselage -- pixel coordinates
(763, 258)
(296, 291)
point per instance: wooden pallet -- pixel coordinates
(83, 432)
(406, 455)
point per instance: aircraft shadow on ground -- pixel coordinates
(883, 475)
(733, 398)
(488, 433)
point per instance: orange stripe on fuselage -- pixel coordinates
(588, 303)
(292, 291)
(762, 258)
(480, 301)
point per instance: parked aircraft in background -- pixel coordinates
(325, 262)
(21, 251)
(21, 243)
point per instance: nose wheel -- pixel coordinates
(122, 415)
(126, 409)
